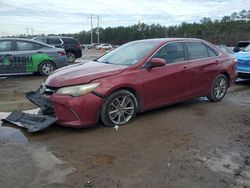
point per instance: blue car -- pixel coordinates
(243, 64)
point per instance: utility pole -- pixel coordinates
(32, 31)
(91, 23)
(27, 31)
(98, 27)
(98, 31)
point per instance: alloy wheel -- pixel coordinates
(121, 110)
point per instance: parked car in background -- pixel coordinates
(243, 62)
(71, 46)
(240, 45)
(225, 49)
(23, 56)
(137, 77)
(104, 46)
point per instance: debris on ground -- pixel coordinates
(32, 122)
(116, 127)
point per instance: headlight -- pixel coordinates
(78, 90)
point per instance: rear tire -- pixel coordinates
(71, 57)
(46, 68)
(119, 108)
(219, 88)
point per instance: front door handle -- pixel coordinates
(39, 52)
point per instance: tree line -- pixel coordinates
(228, 30)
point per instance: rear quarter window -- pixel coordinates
(25, 46)
(54, 41)
(69, 41)
(243, 44)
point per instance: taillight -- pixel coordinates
(235, 61)
(78, 45)
(62, 53)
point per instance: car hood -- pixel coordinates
(82, 73)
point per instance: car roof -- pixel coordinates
(24, 39)
(51, 36)
(164, 40)
(244, 41)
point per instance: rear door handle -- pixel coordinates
(39, 52)
(185, 67)
(217, 62)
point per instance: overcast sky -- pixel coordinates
(71, 16)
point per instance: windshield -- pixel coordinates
(247, 49)
(128, 54)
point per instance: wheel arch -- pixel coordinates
(227, 75)
(130, 89)
(39, 65)
(46, 61)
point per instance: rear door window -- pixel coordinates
(5, 46)
(54, 41)
(242, 44)
(172, 52)
(196, 50)
(25, 46)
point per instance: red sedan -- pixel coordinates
(137, 77)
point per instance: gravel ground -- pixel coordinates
(192, 144)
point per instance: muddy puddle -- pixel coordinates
(13, 89)
(9, 132)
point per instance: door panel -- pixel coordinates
(167, 84)
(203, 67)
(24, 54)
(7, 65)
(204, 72)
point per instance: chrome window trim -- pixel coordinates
(188, 60)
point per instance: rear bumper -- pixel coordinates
(61, 62)
(243, 71)
(78, 53)
(243, 74)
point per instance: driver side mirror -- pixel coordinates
(156, 62)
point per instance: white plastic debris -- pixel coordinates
(116, 127)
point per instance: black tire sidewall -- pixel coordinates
(105, 108)
(72, 54)
(212, 96)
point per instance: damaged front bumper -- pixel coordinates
(34, 122)
(77, 112)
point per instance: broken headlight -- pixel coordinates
(78, 90)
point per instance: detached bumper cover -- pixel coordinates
(36, 98)
(32, 122)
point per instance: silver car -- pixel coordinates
(24, 56)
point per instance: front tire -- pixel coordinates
(219, 88)
(46, 68)
(119, 108)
